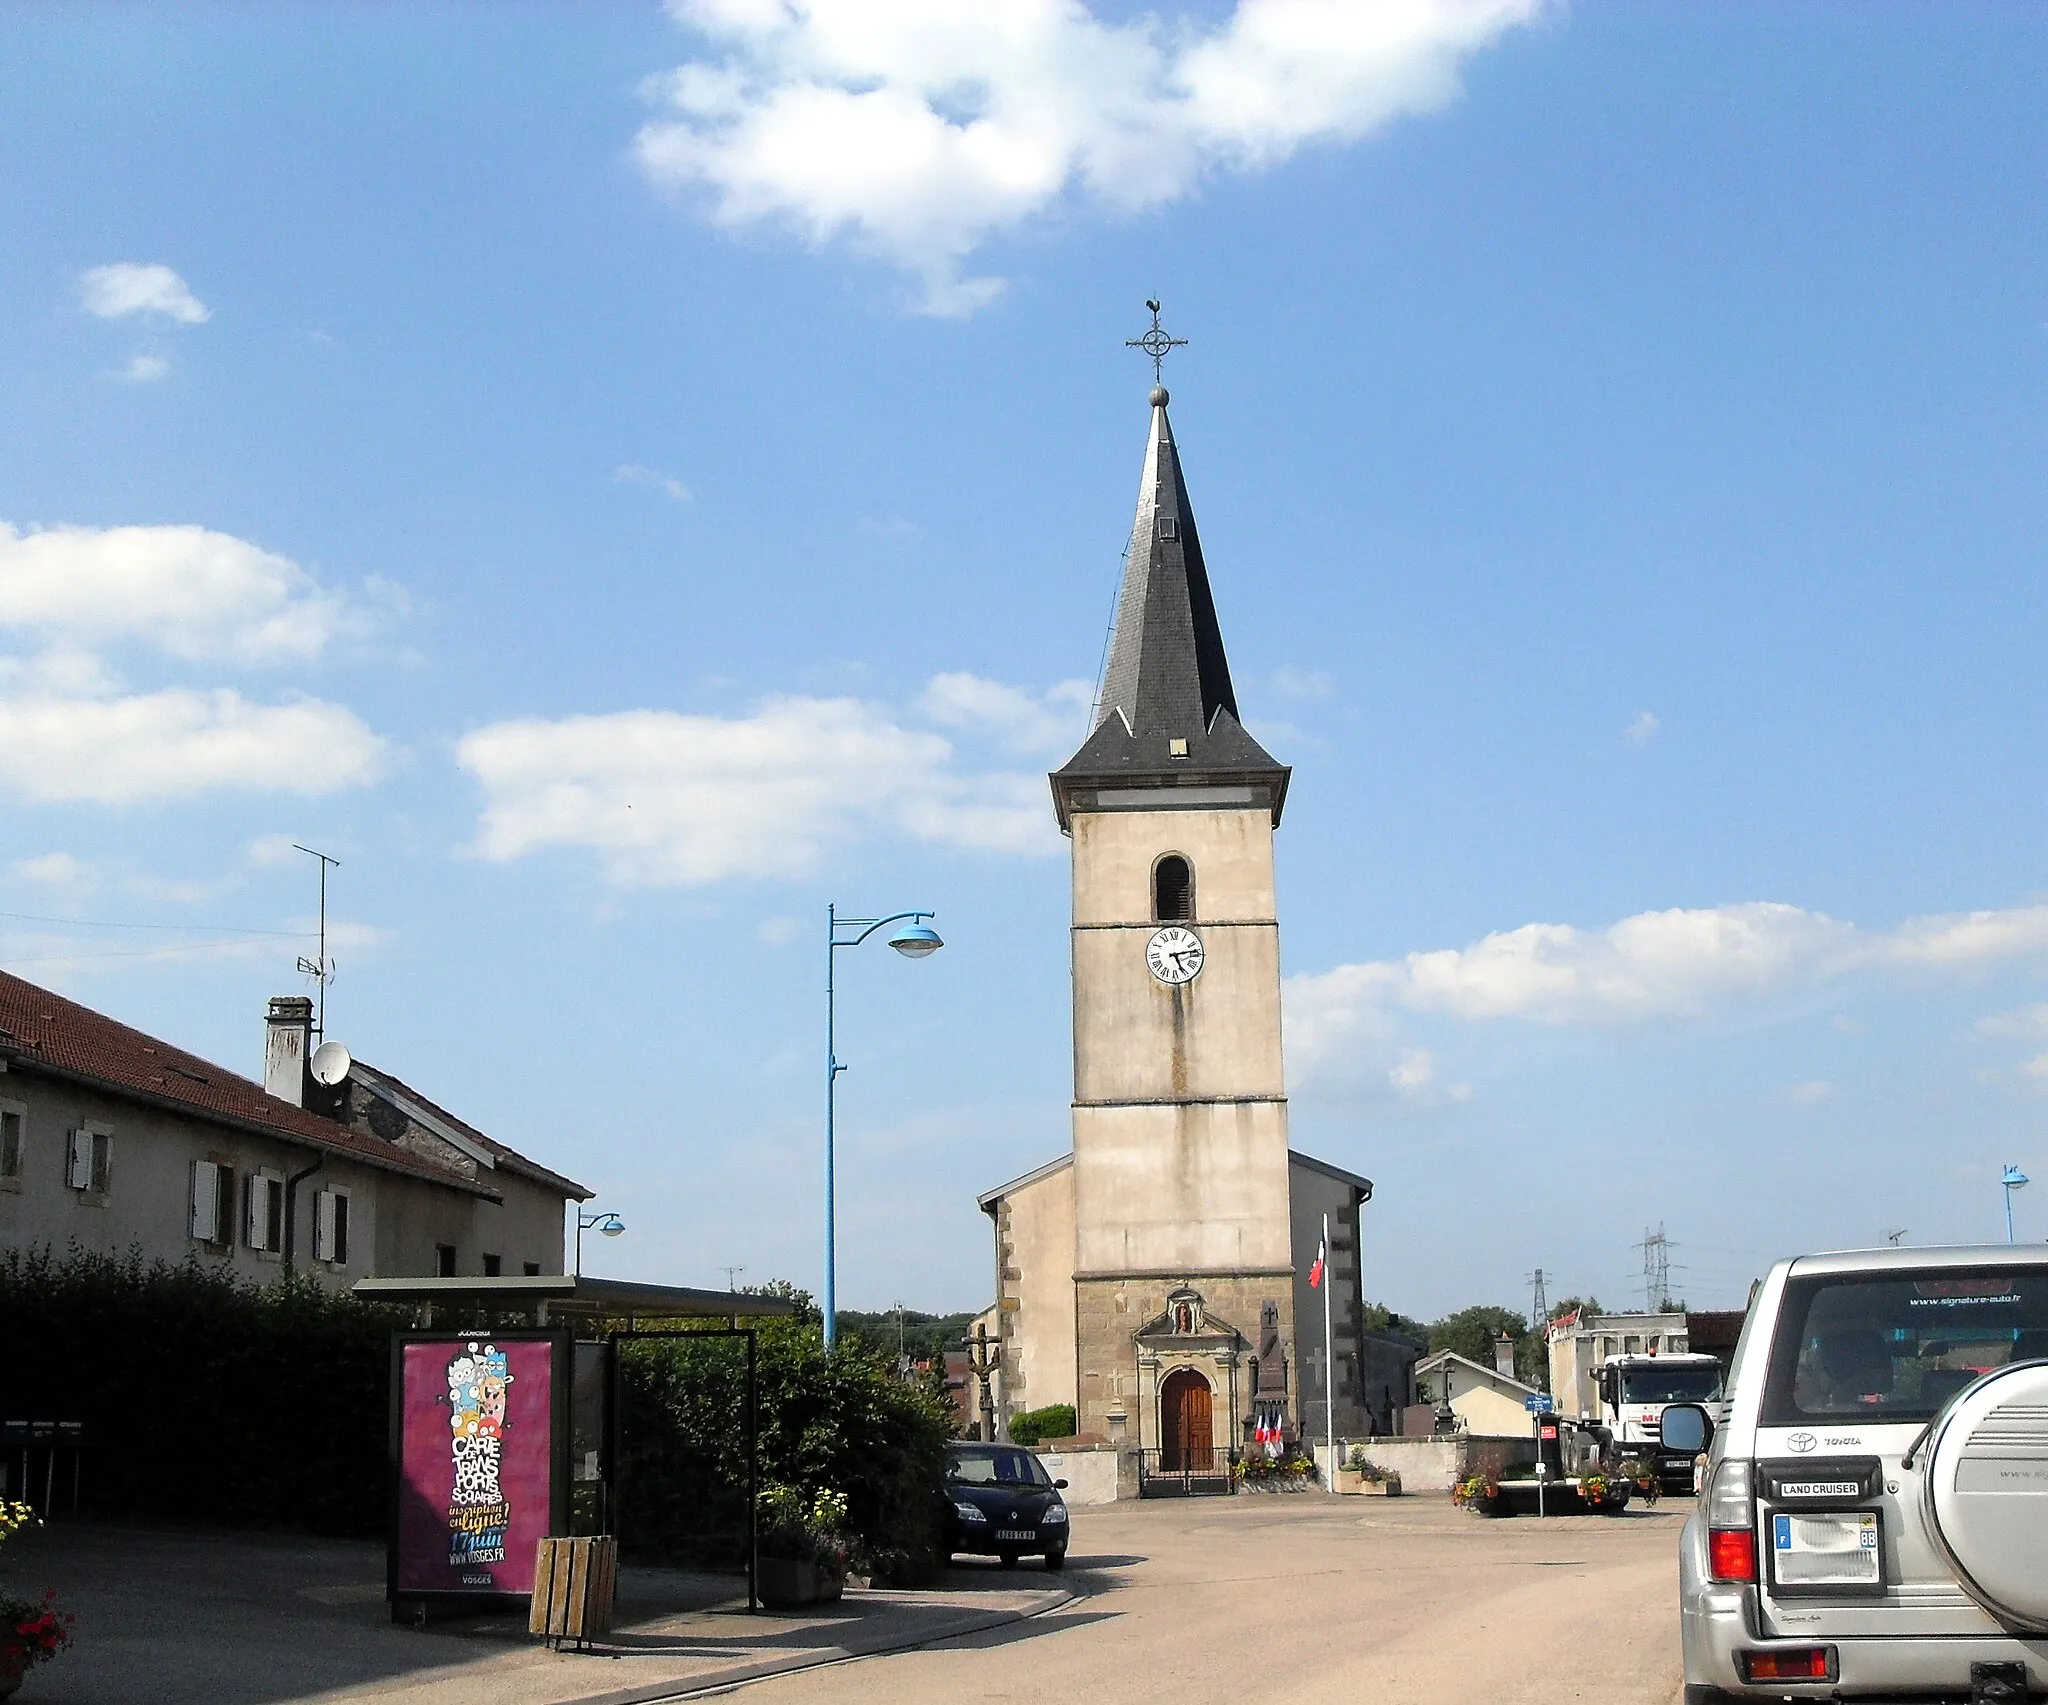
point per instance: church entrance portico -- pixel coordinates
(1187, 1428)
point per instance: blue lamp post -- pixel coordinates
(2014, 1179)
(916, 940)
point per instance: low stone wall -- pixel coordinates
(1094, 1473)
(1431, 1464)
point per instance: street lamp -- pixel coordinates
(916, 940)
(604, 1221)
(2014, 1179)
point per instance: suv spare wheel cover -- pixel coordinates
(1987, 1491)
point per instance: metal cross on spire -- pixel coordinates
(1156, 343)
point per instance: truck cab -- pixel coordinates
(1634, 1391)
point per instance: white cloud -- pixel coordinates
(1810, 1094)
(178, 743)
(666, 799)
(55, 870)
(142, 370)
(779, 932)
(1643, 730)
(1294, 683)
(188, 591)
(1656, 965)
(632, 473)
(922, 128)
(130, 287)
(1023, 721)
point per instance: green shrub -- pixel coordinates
(828, 1423)
(207, 1398)
(1054, 1421)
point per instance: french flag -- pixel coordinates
(1315, 1272)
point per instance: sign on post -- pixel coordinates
(1538, 1403)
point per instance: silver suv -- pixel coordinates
(1873, 1518)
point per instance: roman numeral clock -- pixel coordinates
(1174, 955)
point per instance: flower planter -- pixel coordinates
(1352, 1484)
(784, 1583)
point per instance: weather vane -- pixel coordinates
(1156, 343)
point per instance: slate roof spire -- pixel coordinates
(1167, 713)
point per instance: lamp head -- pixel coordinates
(2014, 1178)
(916, 941)
(611, 1225)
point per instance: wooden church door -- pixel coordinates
(1186, 1439)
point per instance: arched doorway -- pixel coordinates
(1186, 1439)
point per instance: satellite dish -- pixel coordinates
(330, 1064)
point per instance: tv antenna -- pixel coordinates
(1894, 1238)
(732, 1277)
(321, 970)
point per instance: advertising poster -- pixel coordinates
(476, 1449)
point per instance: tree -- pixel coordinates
(1472, 1333)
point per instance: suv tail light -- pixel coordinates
(1730, 1508)
(1802, 1663)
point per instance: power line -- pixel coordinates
(195, 929)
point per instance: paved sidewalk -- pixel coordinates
(208, 1619)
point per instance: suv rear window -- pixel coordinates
(1897, 1346)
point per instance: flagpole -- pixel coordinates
(1329, 1363)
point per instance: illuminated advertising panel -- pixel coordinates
(478, 1437)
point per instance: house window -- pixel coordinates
(1173, 890)
(1631, 1345)
(90, 1161)
(212, 1202)
(533, 1269)
(444, 1260)
(330, 1226)
(492, 1266)
(264, 1220)
(10, 1146)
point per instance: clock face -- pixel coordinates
(1174, 954)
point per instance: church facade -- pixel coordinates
(1157, 1277)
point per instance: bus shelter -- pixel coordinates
(505, 1422)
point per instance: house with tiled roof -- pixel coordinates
(112, 1140)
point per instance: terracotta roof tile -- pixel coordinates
(41, 1028)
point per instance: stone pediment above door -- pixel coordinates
(1186, 1324)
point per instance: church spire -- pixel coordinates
(1167, 672)
(1167, 713)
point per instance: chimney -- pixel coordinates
(1503, 1346)
(287, 1031)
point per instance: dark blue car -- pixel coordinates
(1004, 1505)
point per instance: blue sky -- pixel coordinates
(621, 479)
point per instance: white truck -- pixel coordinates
(1633, 1392)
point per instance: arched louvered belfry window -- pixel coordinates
(1173, 890)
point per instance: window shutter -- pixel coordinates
(323, 1226)
(273, 1228)
(78, 1164)
(205, 1200)
(257, 1193)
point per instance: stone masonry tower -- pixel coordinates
(1180, 1161)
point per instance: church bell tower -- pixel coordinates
(1180, 1158)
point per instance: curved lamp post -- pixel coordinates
(916, 940)
(605, 1222)
(2014, 1179)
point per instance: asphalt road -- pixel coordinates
(1316, 1599)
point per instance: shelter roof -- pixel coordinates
(567, 1293)
(988, 1199)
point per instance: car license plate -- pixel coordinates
(1016, 1533)
(1826, 1550)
